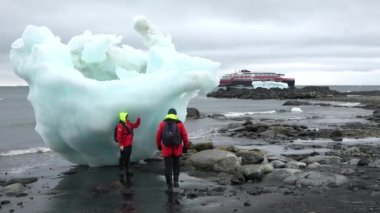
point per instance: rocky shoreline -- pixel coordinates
(307, 92)
(350, 172)
(370, 99)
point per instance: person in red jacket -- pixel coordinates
(171, 151)
(124, 137)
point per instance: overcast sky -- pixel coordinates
(319, 42)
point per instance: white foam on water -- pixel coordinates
(25, 151)
(338, 103)
(280, 149)
(19, 169)
(345, 141)
(296, 118)
(348, 104)
(204, 133)
(240, 114)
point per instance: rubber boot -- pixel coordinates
(169, 182)
(130, 174)
(176, 185)
(121, 176)
(128, 182)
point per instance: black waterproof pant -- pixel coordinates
(125, 156)
(171, 170)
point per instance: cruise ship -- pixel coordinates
(245, 78)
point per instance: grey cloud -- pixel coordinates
(339, 34)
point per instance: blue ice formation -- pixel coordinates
(77, 89)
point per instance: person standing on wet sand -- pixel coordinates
(172, 140)
(124, 137)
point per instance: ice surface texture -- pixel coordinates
(77, 89)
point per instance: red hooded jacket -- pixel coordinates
(123, 135)
(168, 151)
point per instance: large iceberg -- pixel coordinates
(77, 89)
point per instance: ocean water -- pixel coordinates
(351, 88)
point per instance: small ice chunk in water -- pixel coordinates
(296, 109)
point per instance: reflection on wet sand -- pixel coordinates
(99, 190)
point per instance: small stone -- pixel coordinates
(177, 202)
(192, 195)
(375, 194)
(20, 203)
(3, 202)
(347, 171)
(363, 162)
(246, 203)
(237, 179)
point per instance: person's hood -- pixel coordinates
(122, 116)
(171, 116)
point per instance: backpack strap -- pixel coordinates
(126, 127)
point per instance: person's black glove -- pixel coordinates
(159, 147)
(184, 149)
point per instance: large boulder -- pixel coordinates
(278, 164)
(295, 165)
(313, 178)
(228, 148)
(281, 174)
(13, 188)
(374, 163)
(193, 113)
(215, 160)
(329, 160)
(251, 156)
(255, 171)
(278, 157)
(203, 146)
(336, 135)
